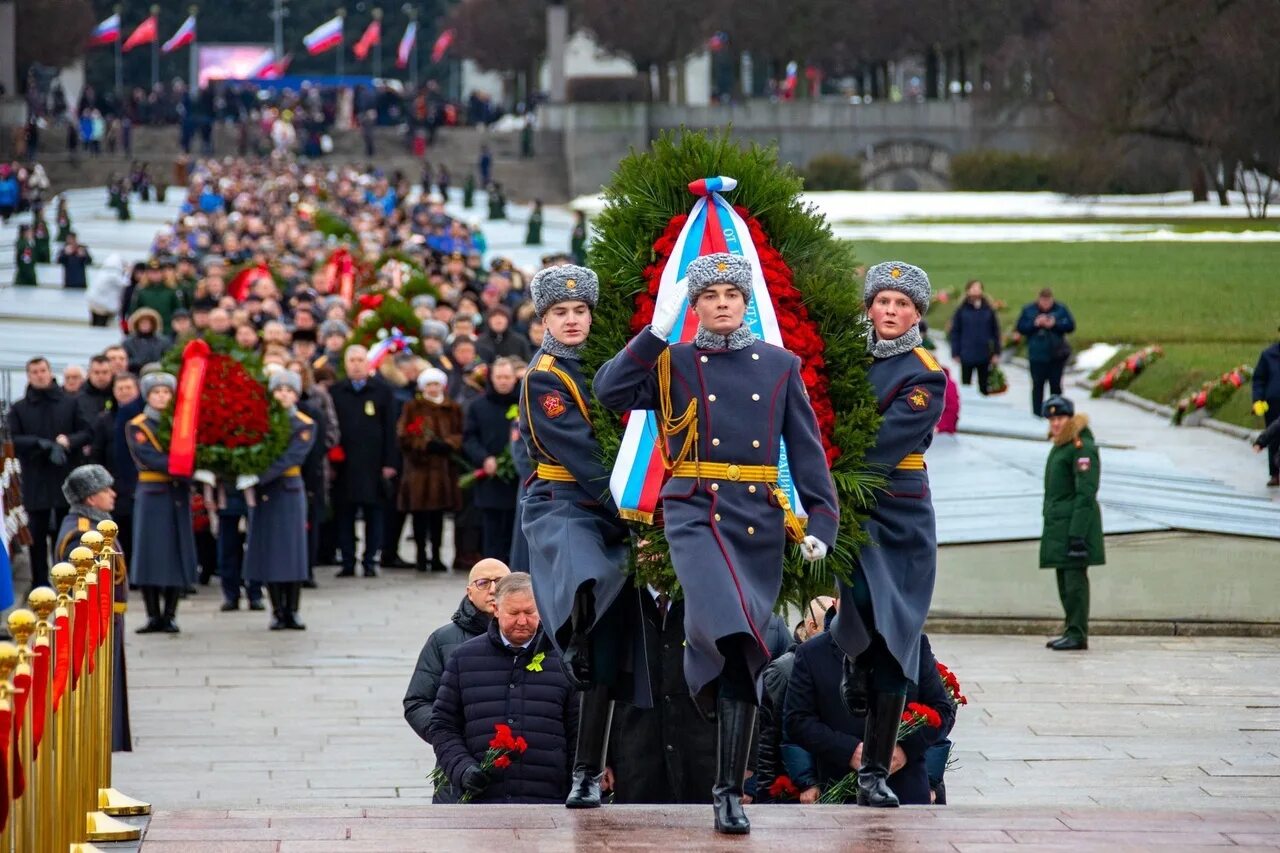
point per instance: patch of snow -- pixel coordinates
(1095, 356)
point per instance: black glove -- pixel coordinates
(474, 780)
(1077, 549)
(58, 455)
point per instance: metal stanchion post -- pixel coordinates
(22, 623)
(42, 601)
(8, 661)
(69, 825)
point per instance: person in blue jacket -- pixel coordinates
(1266, 404)
(975, 336)
(1045, 325)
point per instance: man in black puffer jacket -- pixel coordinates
(509, 676)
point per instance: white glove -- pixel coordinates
(813, 549)
(248, 481)
(204, 475)
(664, 318)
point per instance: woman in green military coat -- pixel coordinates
(1072, 537)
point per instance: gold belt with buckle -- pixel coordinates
(726, 471)
(912, 462)
(554, 473)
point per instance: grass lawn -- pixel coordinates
(1210, 305)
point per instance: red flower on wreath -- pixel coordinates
(234, 409)
(800, 333)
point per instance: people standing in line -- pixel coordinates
(975, 335)
(1266, 404)
(110, 450)
(164, 559)
(1072, 538)
(726, 531)
(509, 676)
(1045, 324)
(48, 429)
(365, 407)
(430, 434)
(470, 619)
(95, 396)
(73, 380)
(486, 431)
(276, 552)
(883, 607)
(588, 606)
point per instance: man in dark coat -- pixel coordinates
(725, 525)
(1045, 325)
(110, 450)
(47, 426)
(499, 339)
(882, 611)
(366, 422)
(667, 753)
(588, 606)
(1266, 404)
(818, 721)
(95, 396)
(1072, 538)
(975, 335)
(486, 433)
(88, 490)
(510, 676)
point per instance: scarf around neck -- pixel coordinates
(92, 513)
(739, 338)
(553, 347)
(905, 342)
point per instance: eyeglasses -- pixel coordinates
(483, 583)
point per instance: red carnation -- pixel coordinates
(521, 744)
(502, 762)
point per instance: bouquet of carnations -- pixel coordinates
(502, 746)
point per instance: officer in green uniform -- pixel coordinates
(43, 252)
(25, 258)
(1072, 538)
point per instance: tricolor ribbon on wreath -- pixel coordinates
(713, 226)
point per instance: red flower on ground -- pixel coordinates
(783, 788)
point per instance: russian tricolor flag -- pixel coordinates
(106, 32)
(406, 45)
(324, 37)
(8, 468)
(185, 35)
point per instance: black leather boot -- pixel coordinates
(576, 658)
(881, 736)
(594, 721)
(155, 622)
(292, 593)
(855, 684)
(736, 722)
(277, 607)
(171, 594)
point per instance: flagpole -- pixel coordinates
(119, 69)
(342, 13)
(377, 46)
(155, 49)
(193, 72)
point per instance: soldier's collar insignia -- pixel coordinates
(918, 398)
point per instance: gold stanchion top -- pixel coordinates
(92, 540)
(63, 576)
(43, 600)
(82, 559)
(22, 622)
(110, 532)
(8, 662)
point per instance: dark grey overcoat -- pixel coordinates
(727, 537)
(164, 544)
(276, 550)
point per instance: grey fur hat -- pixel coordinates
(85, 482)
(562, 284)
(157, 379)
(435, 329)
(286, 378)
(333, 327)
(720, 268)
(910, 281)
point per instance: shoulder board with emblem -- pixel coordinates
(138, 419)
(546, 362)
(927, 358)
(306, 419)
(83, 523)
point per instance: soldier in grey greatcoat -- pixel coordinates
(578, 546)
(164, 558)
(724, 516)
(276, 551)
(882, 613)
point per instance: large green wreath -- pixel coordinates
(648, 189)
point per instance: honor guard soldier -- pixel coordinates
(164, 559)
(735, 398)
(882, 612)
(88, 489)
(276, 552)
(578, 546)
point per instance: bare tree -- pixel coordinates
(657, 34)
(504, 36)
(51, 32)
